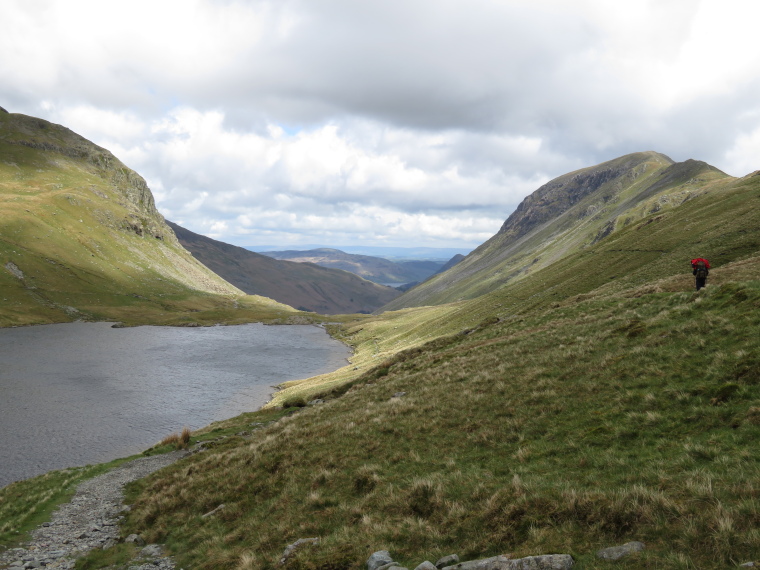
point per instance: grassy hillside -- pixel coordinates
(567, 430)
(596, 401)
(302, 285)
(80, 238)
(565, 216)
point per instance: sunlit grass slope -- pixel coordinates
(596, 401)
(80, 238)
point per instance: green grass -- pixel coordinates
(83, 230)
(567, 429)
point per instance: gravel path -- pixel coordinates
(89, 521)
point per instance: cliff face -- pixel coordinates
(83, 229)
(565, 215)
(57, 141)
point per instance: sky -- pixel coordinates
(382, 122)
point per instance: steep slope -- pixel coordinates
(80, 236)
(369, 267)
(566, 215)
(303, 285)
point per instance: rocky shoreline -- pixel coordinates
(90, 520)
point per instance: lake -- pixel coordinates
(79, 393)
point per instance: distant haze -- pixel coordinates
(433, 253)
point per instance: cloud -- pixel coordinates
(325, 119)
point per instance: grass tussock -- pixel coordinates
(178, 440)
(568, 429)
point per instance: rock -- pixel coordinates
(427, 565)
(618, 552)
(447, 561)
(135, 539)
(297, 545)
(391, 566)
(213, 512)
(747, 565)
(378, 559)
(544, 562)
(151, 551)
(399, 394)
(14, 270)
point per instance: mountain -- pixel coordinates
(369, 267)
(80, 238)
(303, 285)
(567, 215)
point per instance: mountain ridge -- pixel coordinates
(566, 214)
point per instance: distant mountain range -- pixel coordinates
(369, 267)
(441, 254)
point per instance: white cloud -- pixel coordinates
(435, 117)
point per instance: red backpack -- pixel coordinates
(701, 266)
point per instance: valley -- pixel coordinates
(561, 389)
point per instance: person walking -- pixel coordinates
(700, 269)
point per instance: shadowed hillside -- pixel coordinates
(303, 285)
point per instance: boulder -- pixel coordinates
(152, 551)
(447, 561)
(427, 565)
(378, 559)
(618, 552)
(135, 539)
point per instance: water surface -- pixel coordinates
(79, 393)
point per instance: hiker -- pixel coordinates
(700, 270)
